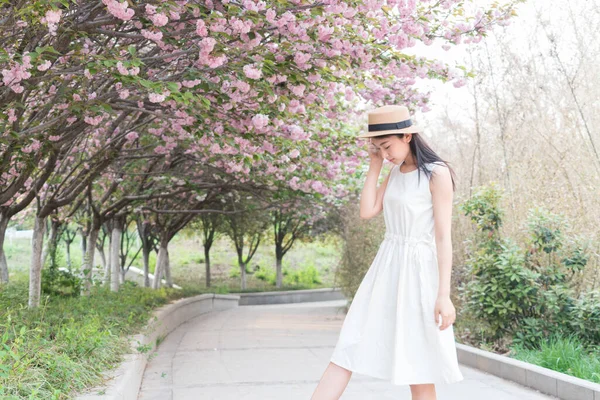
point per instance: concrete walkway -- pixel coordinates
(280, 352)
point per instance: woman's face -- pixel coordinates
(393, 148)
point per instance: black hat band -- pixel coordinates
(390, 126)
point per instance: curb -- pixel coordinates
(290, 296)
(545, 380)
(125, 381)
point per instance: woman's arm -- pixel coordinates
(371, 198)
(442, 196)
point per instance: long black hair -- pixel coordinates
(424, 154)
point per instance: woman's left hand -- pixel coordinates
(444, 309)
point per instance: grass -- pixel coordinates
(563, 354)
(64, 345)
(566, 354)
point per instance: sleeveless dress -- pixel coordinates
(389, 331)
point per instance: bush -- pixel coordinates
(584, 317)
(532, 331)
(545, 230)
(56, 281)
(362, 239)
(234, 272)
(267, 275)
(502, 291)
(61, 283)
(527, 295)
(307, 277)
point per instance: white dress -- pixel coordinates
(389, 331)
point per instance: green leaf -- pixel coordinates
(173, 87)
(145, 83)
(106, 107)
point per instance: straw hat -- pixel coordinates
(390, 119)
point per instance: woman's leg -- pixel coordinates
(424, 391)
(332, 383)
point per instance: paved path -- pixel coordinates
(280, 352)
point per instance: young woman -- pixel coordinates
(399, 325)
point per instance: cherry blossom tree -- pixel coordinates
(262, 94)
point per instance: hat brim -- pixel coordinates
(411, 129)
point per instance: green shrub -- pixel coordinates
(584, 317)
(361, 241)
(234, 272)
(532, 331)
(307, 277)
(267, 275)
(576, 261)
(502, 291)
(56, 281)
(526, 295)
(545, 230)
(484, 209)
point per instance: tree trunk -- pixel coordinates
(100, 247)
(68, 244)
(102, 258)
(159, 264)
(146, 242)
(114, 257)
(107, 266)
(122, 273)
(52, 244)
(243, 274)
(88, 261)
(84, 240)
(167, 265)
(207, 260)
(35, 270)
(3, 264)
(146, 257)
(279, 262)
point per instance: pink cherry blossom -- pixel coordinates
(201, 28)
(120, 10)
(158, 97)
(159, 19)
(52, 18)
(252, 72)
(11, 115)
(93, 120)
(131, 136)
(260, 121)
(298, 90)
(150, 35)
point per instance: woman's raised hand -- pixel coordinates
(374, 153)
